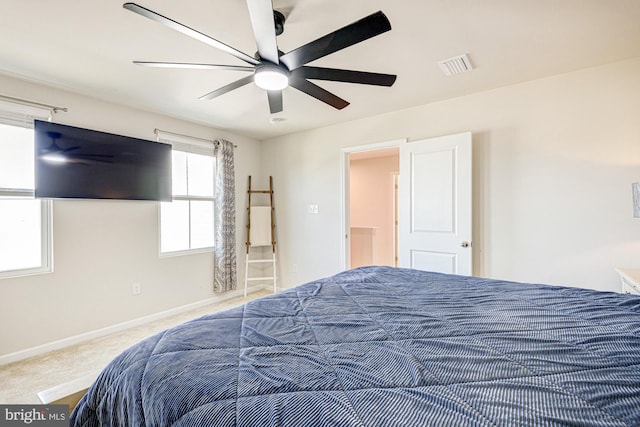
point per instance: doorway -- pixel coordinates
(433, 206)
(371, 215)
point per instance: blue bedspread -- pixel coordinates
(378, 346)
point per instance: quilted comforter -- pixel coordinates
(378, 346)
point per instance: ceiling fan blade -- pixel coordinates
(193, 66)
(228, 88)
(370, 26)
(133, 7)
(87, 162)
(261, 15)
(92, 156)
(317, 92)
(275, 101)
(347, 76)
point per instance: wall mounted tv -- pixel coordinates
(78, 163)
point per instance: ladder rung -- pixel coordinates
(259, 260)
(251, 279)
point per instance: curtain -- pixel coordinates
(225, 273)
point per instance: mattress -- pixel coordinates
(380, 346)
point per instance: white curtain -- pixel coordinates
(225, 276)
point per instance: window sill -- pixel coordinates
(185, 252)
(12, 274)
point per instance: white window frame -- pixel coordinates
(46, 236)
(22, 115)
(189, 145)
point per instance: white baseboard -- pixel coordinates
(68, 393)
(76, 339)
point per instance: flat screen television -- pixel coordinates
(78, 163)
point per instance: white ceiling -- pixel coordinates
(88, 46)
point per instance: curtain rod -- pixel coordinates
(156, 130)
(33, 104)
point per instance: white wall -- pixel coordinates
(102, 247)
(553, 163)
(554, 160)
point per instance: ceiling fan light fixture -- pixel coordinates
(54, 158)
(271, 78)
(273, 68)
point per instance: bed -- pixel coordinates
(380, 346)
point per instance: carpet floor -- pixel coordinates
(21, 381)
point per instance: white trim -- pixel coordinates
(344, 179)
(169, 254)
(395, 186)
(635, 187)
(76, 339)
(182, 197)
(46, 243)
(20, 113)
(70, 390)
(47, 236)
(20, 193)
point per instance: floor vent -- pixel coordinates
(456, 65)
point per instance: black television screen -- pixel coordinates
(72, 162)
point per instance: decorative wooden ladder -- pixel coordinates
(261, 235)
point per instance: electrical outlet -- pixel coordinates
(136, 289)
(313, 208)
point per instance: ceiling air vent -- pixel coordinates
(456, 65)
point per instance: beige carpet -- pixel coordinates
(21, 381)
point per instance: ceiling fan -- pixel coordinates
(274, 70)
(56, 154)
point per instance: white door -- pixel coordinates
(435, 204)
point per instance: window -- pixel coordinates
(25, 223)
(186, 223)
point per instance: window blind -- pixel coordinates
(186, 143)
(19, 114)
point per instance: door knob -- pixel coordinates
(465, 244)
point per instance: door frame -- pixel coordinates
(345, 251)
(395, 183)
